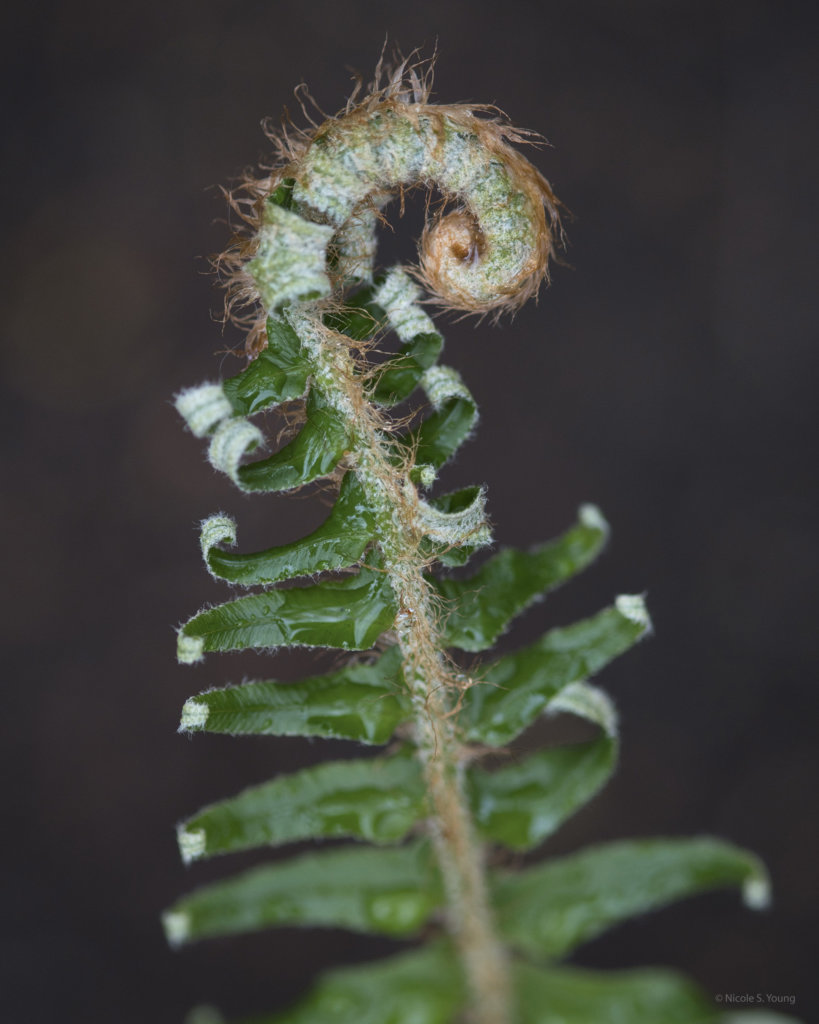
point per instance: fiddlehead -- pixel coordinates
(429, 806)
(492, 252)
(488, 254)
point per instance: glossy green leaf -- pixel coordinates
(442, 433)
(278, 374)
(423, 986)
(402, 374)
(386, 891)
(358, 702)
(482, 605)
(350, 613)
(547, 910)
(378, 800)
(313, 453)
(517, 688)
(520, 804)
(339, 542)
(572, 996)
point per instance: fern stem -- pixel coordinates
(459, 854)
(394, 498)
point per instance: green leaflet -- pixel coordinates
(359, 702)
(517, 688)
(520, 804)
(443, 432)
(573, 996)
(423, 986)
(387, 891)
(547, 910)
(483, 605)
(278, 374)
(378, 800)
(313, 453)
(402, 374)
(339, 542)
(350, 613)
(381, 800)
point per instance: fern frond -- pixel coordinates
(426, 813)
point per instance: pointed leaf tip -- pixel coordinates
(192, 843)
(756, 892)
(189, 649)
(591, 516)
(177, 927)
(217, 529)
(633, 608)
(232, 440)
(194, 715)
(203, 407)
(587, 702)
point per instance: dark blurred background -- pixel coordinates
(668, 375)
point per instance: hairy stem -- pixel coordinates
(459, 854)
(394, 498)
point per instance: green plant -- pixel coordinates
(371, 582)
